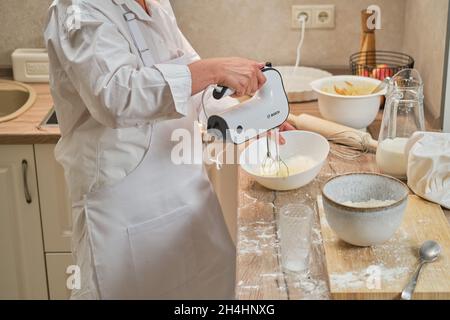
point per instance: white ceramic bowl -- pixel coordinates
(298, 143)
(364, 226)
(354, 111)
(297, 82)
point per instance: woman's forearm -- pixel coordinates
(202, 73)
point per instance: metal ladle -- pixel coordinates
(429, 252)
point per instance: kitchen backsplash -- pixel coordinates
(21, 25)
(260, 29)
(425, 41)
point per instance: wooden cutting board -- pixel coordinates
(381, 272)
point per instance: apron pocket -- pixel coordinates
(163, 253)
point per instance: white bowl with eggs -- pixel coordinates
(357, 108)
(304, 153)
(364, 209)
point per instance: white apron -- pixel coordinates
(159, 233)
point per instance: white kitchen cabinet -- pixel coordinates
(57, 264)
(34, 259)
(225, 182)
(56, 220)
(22, 265)
(54, 199)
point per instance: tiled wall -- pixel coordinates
(427, 45)
(258, 29)
(261, 29)
(21, 25)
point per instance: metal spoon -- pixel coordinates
(429, 252)
(381, 85)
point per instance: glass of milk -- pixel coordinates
(294, 230)
(403, 115)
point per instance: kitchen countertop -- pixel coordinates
(25, 129)
(259, 273)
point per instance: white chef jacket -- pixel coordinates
(106, 100)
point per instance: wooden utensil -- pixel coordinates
(367, 43)
(381, 272)
(330, 129)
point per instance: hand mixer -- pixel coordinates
(265, 111)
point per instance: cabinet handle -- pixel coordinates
(25, 181)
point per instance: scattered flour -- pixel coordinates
(371, 278)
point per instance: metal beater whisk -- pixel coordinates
(349, 145)
(272, 164)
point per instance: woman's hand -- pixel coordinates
(242, 75)
(286, 126)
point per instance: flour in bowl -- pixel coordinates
(372, 203)
(295, 164)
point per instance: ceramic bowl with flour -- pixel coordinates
(364, 209)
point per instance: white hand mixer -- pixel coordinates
(265, 111)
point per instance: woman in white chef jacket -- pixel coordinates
(123, 77)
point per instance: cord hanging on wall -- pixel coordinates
(302, 20)
(297, 79)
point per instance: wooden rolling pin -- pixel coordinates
(331, 129)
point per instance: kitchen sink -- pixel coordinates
(15, 99)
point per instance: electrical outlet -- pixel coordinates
(323, 16)
(297, 11)
(318, 16)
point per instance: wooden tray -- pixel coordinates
(381, 272)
